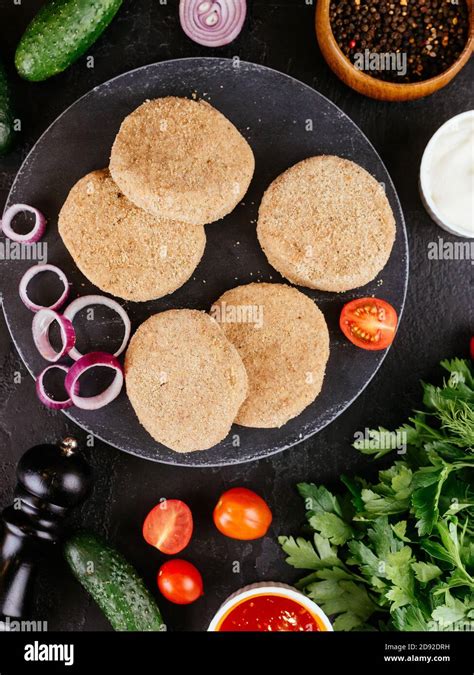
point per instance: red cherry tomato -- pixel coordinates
(169, 526)
(472, 348)
(242, 514)
(180, 582)
(369, 323)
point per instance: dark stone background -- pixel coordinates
(437, 322)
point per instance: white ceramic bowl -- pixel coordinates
(270, 588)
(425, 188)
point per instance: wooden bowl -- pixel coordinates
(371, 86)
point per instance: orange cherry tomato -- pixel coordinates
(169, 526)
(242, 514)
(369, 323)
(180, 582)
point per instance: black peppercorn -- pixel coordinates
(418, 38)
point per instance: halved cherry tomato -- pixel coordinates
(169, 526)
(242, 514)
(369, 323)
(180, 582)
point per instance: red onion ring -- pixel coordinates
(30, 237)
(212, 23)
(44, 397)
(41, 324)
(79, 368)
(28, 276)
(86, 300)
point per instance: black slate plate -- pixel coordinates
(285, 121)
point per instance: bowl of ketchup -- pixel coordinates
(269, 607)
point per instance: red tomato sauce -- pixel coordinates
(269, 613)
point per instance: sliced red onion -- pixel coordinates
(212, 24)
(86, 300)
(28, 276)
(30, 237)
(44, 396)
(86, 362)
(41, 324)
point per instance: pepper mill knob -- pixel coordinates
(51, 479)
(57, 475)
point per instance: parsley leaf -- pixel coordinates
(425, 498)
(453, 611)
(399, 572)
(348, 600)
(318, 499)
(397, 553)
(381, 537)
(426, 572)
(301, 553)
(410, 619)
(331, 527)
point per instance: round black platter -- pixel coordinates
(284, 121)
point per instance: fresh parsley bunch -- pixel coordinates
(399, 554)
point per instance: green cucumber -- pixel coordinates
(6, 113)
(113, 583)
(59, 34)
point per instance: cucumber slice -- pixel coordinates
(6, 113)
(59, 34)
(113, 583)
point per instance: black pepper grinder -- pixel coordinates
(51, 479)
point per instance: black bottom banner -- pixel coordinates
(136, 653)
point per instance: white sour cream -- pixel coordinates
(447, 175)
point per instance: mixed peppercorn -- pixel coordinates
(423, 37)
